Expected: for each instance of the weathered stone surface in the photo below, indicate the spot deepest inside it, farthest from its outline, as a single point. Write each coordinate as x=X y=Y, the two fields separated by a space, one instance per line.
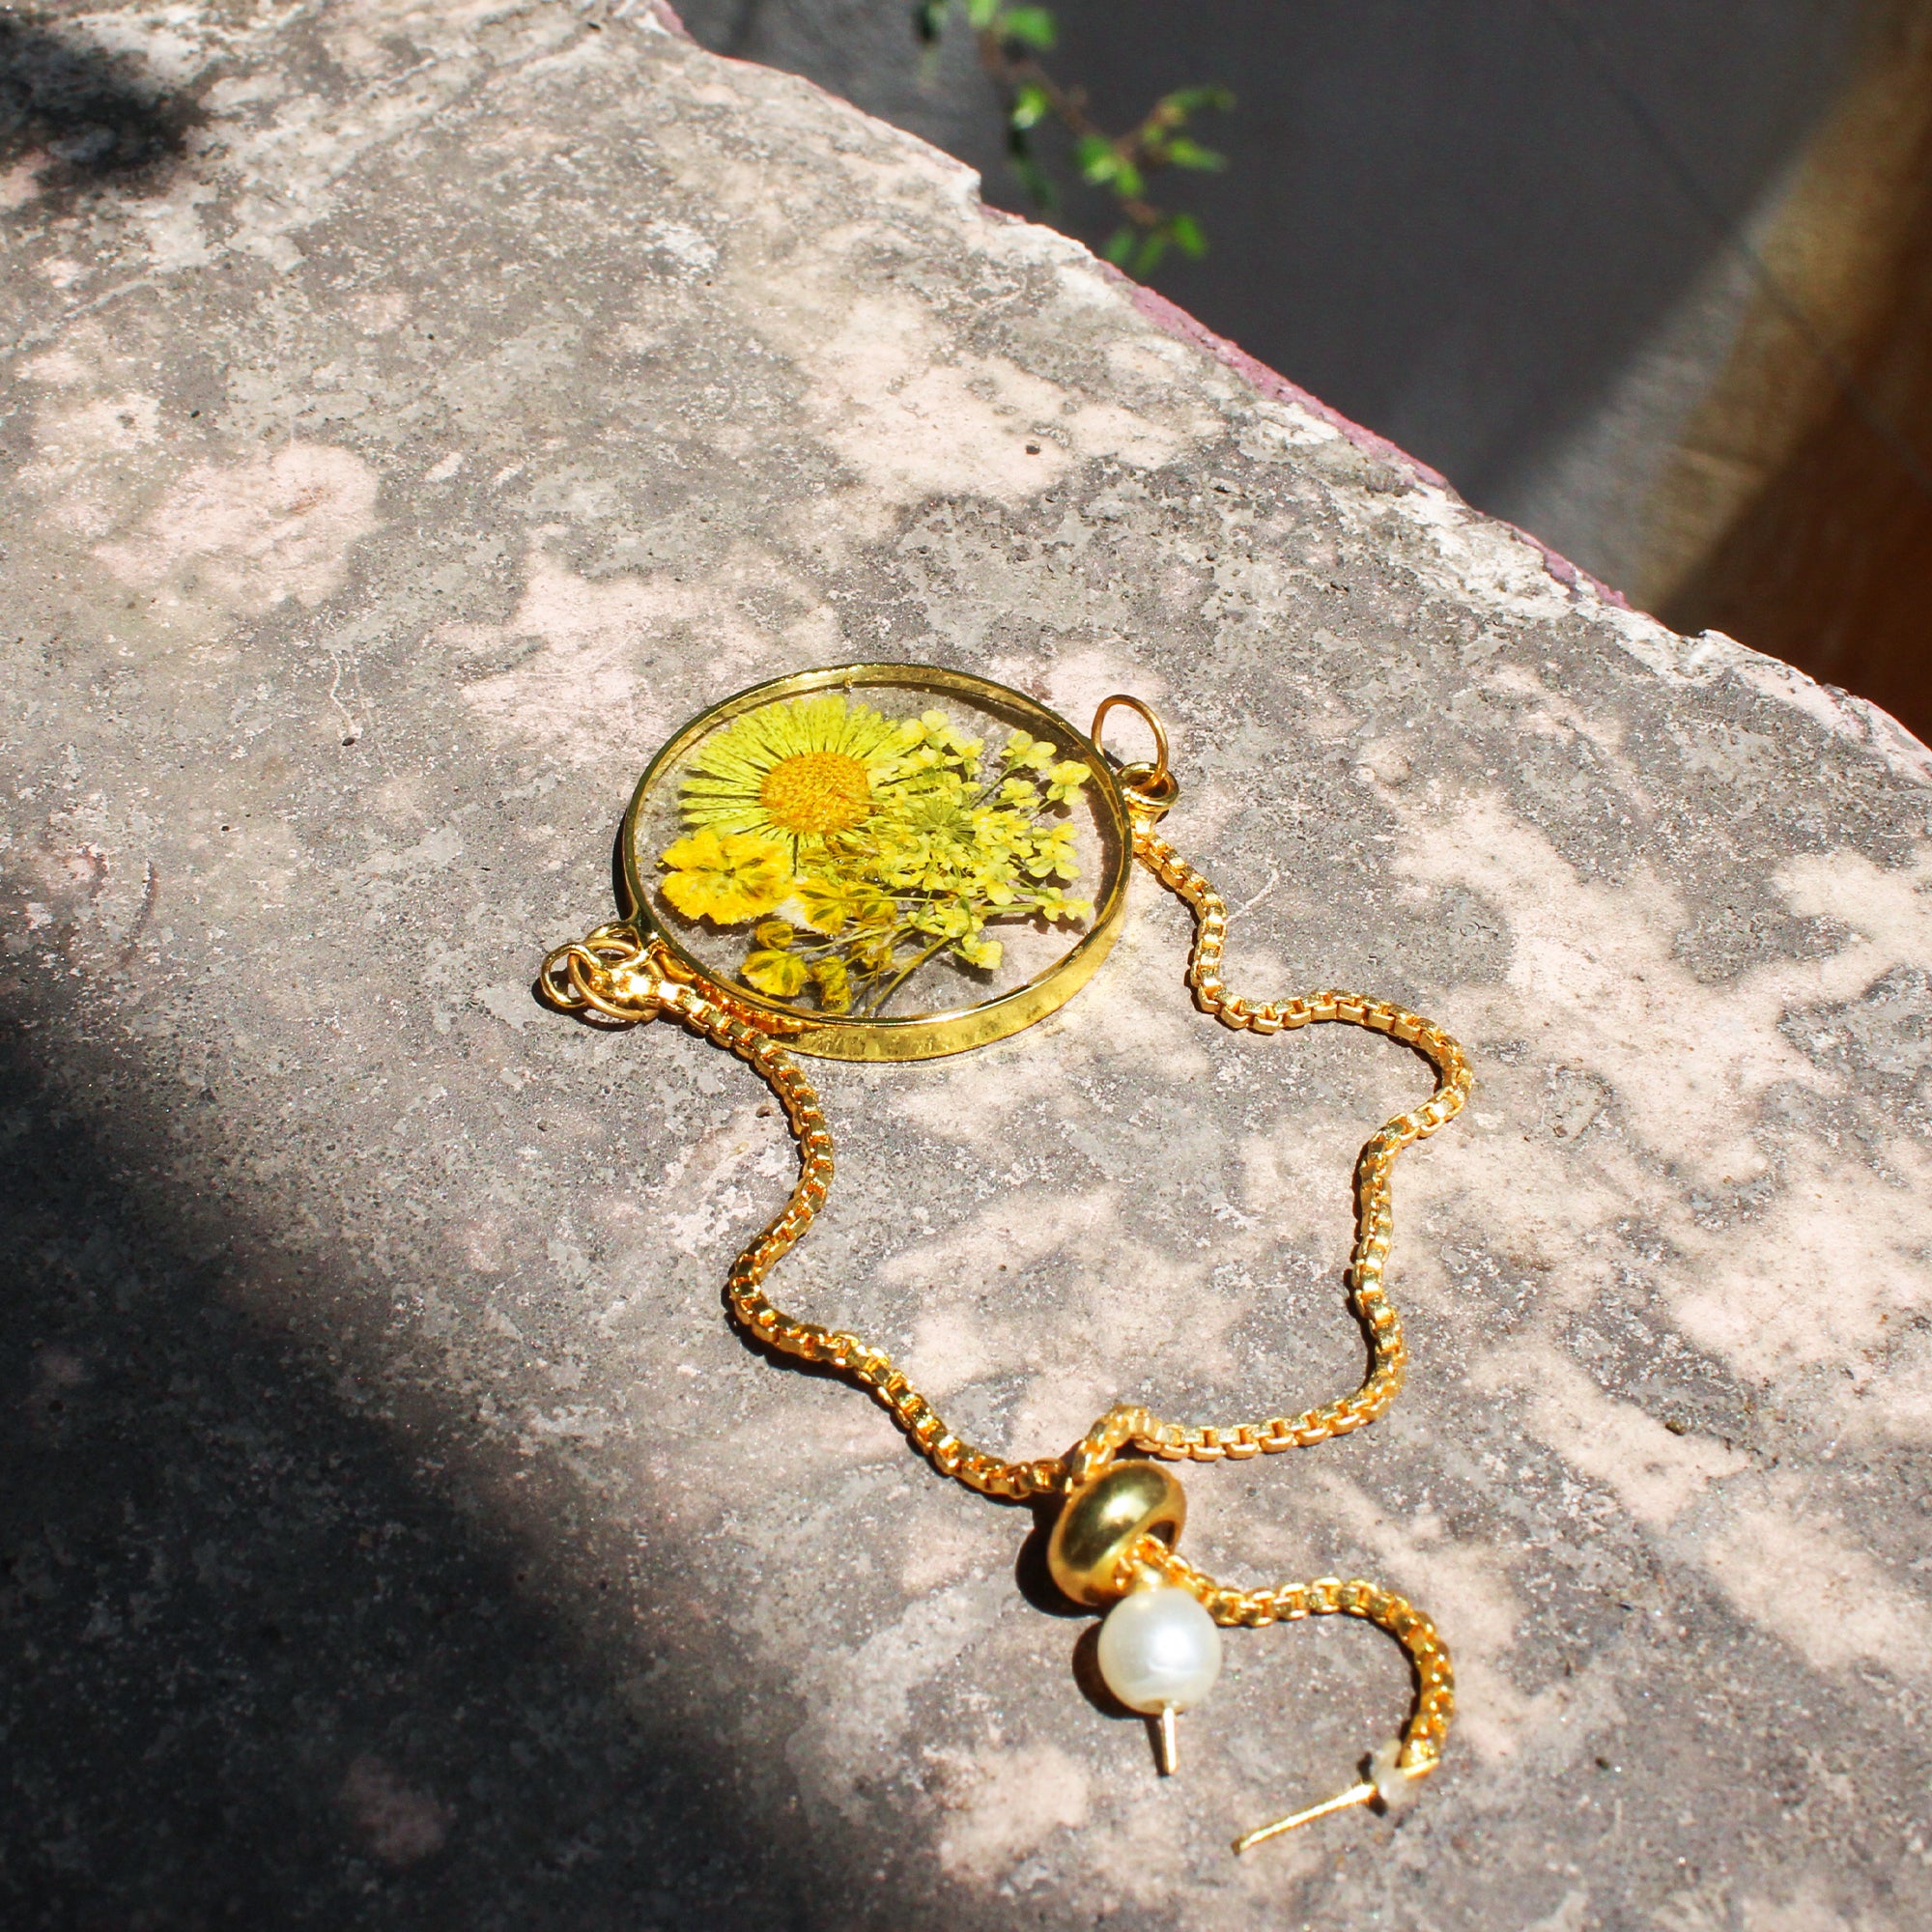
x=397 y=1535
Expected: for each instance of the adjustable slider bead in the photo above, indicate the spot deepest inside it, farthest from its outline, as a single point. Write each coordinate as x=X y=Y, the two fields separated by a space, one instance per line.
x=1104 y=1521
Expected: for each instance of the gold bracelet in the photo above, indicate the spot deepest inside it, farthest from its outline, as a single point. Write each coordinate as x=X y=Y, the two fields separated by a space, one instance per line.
x=864 y=856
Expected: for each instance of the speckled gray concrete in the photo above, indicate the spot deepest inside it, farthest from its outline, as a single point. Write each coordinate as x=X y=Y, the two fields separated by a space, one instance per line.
x=398 y=1536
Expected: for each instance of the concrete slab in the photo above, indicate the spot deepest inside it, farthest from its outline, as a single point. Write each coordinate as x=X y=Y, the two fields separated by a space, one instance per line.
x=396 y=1533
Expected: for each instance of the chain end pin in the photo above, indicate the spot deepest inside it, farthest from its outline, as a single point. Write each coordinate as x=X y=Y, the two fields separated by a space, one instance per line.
x=1356 y=1794
x=1167 y=1740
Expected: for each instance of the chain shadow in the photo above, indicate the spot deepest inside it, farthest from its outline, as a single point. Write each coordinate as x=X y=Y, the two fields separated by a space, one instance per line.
x=260 y=1669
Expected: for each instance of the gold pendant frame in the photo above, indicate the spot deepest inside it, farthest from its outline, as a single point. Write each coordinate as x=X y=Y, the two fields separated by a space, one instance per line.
x=927 y=1036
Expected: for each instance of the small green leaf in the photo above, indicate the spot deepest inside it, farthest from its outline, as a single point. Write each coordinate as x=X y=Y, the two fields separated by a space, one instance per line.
x=1120 y=245
x=1185 y=233
x=982 y=14
x=1147 y=256
x=1102 y=163
x=1030 y=26
x=834 y=985
x=1185 y=101
x=779 y=974
x=1186 y=154
x=1097 y=159
x=1032 y=104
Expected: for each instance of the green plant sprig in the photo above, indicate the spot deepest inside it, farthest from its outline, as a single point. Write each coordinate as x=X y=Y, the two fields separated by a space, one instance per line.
x=1010 y=41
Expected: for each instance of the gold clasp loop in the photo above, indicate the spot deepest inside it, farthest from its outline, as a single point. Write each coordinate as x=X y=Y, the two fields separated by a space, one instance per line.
x=1150 y=788
x=580 y=977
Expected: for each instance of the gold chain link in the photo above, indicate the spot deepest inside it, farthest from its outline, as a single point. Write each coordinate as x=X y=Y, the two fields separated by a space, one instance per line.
x=617 y=976
x=1428 y=1727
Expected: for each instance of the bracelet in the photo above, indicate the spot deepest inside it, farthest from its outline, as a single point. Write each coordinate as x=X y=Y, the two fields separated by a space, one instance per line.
x=865 y=853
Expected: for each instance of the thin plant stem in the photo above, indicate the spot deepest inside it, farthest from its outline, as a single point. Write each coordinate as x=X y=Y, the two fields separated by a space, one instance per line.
x=877 y=1006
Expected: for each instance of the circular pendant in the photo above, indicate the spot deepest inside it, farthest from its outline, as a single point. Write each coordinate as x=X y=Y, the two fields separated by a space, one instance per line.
x=890 y=860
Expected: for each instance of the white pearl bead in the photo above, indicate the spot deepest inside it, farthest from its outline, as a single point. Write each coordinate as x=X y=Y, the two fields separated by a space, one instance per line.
x=1160 y=1647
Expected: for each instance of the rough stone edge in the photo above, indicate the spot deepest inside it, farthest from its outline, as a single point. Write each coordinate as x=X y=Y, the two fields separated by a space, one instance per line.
x=1653 y=643
x=1696 y=659
x=1842 y=713
x=1173 y=320
x=1702 y=660
x=657 y=13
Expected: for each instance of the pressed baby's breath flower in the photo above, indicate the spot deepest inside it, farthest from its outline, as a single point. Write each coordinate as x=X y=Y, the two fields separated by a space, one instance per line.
x=899 y=842
x=1027 y=754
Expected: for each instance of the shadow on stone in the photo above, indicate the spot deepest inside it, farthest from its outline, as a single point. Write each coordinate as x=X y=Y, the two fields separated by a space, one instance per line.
x=1092 y=1686
x=268 y=1660
x=1030 y=1573
x=89 y=117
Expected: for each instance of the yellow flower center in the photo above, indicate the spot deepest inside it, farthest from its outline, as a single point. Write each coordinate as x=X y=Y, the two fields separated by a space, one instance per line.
x=815 y=792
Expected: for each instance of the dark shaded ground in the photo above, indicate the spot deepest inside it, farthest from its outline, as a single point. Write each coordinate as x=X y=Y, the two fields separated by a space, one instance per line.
x=266 y=1665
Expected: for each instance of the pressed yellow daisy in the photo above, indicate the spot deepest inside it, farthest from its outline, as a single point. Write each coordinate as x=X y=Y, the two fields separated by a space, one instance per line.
x=793 y=771
x=725 y=880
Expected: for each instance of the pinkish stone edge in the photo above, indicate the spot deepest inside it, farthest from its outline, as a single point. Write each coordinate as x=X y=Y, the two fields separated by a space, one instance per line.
x=1171 y=319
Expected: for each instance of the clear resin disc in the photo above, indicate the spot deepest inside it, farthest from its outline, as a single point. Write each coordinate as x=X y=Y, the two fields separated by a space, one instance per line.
x=893 y=860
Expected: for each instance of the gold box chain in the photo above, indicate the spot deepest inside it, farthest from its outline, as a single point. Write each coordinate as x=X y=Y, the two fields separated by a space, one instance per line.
x=618 y=977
